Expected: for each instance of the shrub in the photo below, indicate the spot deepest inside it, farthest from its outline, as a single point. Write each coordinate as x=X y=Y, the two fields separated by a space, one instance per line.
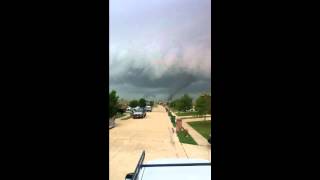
x=113 y=103
x=173 y=120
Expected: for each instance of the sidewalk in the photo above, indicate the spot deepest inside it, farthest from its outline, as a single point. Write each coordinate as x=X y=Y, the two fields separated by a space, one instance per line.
x=200 y=151
x=200 y=140
x=208 y=116
x=195 y=135
x=197 y=152
x=196 y=119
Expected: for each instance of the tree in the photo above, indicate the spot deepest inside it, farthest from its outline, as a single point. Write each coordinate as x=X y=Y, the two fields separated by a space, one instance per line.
x=133 y=103
x=151 y=103
x=173 y=104
x=184 y=103
x=142 y=102
x=203 y=105
x=113 y=103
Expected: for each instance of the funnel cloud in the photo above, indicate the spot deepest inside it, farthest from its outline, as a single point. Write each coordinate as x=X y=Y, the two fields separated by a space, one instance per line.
x=160 y=48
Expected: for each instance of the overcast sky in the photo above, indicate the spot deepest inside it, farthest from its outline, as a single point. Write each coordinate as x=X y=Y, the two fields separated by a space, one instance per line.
x=160 y=47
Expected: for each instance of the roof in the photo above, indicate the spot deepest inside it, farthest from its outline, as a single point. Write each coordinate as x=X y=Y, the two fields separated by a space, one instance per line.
x=175 y=172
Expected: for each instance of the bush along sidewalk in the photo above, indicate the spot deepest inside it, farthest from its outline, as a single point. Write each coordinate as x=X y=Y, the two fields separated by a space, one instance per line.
x=172 y=118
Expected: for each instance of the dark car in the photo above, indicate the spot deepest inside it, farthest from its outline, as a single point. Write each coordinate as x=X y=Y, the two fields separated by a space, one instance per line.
x=139 y=113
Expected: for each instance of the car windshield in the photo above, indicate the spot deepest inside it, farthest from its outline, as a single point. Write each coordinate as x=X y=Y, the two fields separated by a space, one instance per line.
x=139 y=110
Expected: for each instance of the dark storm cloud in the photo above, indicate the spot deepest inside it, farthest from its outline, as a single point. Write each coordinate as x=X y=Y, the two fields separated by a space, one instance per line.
x=142 y=77
x=160 y=47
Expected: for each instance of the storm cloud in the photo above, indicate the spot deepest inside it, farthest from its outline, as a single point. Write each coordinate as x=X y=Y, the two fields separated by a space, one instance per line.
x=160 y=48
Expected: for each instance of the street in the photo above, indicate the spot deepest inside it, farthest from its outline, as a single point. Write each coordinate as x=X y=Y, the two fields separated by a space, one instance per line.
x=153 y=134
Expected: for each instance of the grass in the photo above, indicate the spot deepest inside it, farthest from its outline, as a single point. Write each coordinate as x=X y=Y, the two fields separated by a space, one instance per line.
x=126 y=118
x=184 y=137
x=119 y=115
x=187 y=114
x=203 y=127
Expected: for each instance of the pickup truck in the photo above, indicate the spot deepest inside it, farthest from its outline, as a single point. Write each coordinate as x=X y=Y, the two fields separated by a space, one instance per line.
x=171 y=169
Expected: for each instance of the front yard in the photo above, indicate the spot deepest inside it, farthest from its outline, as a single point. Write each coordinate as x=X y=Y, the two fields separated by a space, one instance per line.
x=187 y=114
x=203 y=127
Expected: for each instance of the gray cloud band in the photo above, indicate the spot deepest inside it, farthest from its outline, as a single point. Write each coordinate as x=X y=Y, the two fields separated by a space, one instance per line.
x=164 y=52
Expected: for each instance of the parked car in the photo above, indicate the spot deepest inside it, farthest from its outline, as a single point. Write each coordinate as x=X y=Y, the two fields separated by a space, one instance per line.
x=190 y=110
x=171 y=169
x=139 y=113
x=129 y=109
x=148 y=108
x=136 y=108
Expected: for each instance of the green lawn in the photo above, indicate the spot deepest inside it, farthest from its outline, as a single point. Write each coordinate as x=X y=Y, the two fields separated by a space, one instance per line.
x=187 y=113
x=126 y=118
x=119 y=115
x=185 y=138
x=203 y=127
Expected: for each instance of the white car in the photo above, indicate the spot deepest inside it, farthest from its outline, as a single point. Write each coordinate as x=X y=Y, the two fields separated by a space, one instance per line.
x=148 y=108
x=136 y=108
x=171 y=169
x=129 y=109
x=191 y=110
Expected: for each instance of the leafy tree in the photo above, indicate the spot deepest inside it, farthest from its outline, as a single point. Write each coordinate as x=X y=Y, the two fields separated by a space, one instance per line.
x=142 y=102
x=173 y=104
x=151 y=103
x=184 y=103
x=133 y=103
x=113 y=103
x=203 y=104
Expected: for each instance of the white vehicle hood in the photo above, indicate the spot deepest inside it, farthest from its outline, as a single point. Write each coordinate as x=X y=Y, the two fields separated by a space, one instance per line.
x=176 y=173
